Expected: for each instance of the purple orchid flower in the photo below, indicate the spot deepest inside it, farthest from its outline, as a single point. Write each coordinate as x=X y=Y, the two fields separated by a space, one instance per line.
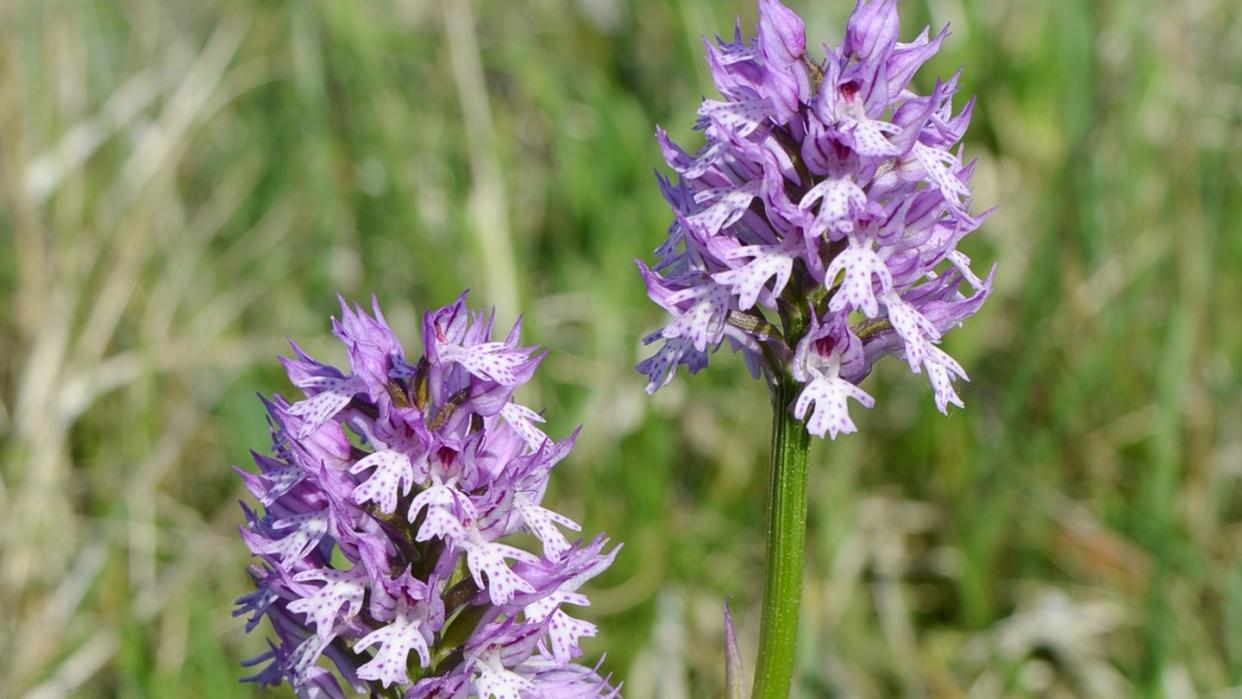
x=386 y=502
x=829 y=188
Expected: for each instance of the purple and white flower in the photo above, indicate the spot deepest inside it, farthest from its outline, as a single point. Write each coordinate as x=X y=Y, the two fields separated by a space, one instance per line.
x=828 y=191
x=386 y=502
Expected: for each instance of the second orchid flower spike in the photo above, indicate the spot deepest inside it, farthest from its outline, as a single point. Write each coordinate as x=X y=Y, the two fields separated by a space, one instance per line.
x=828 y=199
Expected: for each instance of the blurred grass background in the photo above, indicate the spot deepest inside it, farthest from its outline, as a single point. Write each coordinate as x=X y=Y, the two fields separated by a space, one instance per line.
x=185 y=184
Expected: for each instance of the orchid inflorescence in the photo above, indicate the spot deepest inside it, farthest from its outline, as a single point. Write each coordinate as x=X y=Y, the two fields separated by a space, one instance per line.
x=827 y=198
x=385 y=501
x=816 y=231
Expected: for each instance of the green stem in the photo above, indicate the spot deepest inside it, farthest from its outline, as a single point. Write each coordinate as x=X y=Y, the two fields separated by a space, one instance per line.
x=782 y=578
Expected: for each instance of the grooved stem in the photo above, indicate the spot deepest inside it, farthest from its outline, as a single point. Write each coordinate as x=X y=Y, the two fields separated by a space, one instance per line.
x=782 y=576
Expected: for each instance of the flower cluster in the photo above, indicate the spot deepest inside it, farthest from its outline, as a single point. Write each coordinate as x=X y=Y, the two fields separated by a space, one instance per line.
x=828 y=193
x=385 y=502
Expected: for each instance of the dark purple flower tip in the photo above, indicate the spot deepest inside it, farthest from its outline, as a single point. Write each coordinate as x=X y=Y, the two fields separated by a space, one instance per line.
x=872 y=29
x=782 y=35
x=446 y=324
x=372 y=346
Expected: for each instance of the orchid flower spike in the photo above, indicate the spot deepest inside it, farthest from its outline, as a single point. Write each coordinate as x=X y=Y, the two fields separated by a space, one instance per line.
x=386 y=501
x=829 y=197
